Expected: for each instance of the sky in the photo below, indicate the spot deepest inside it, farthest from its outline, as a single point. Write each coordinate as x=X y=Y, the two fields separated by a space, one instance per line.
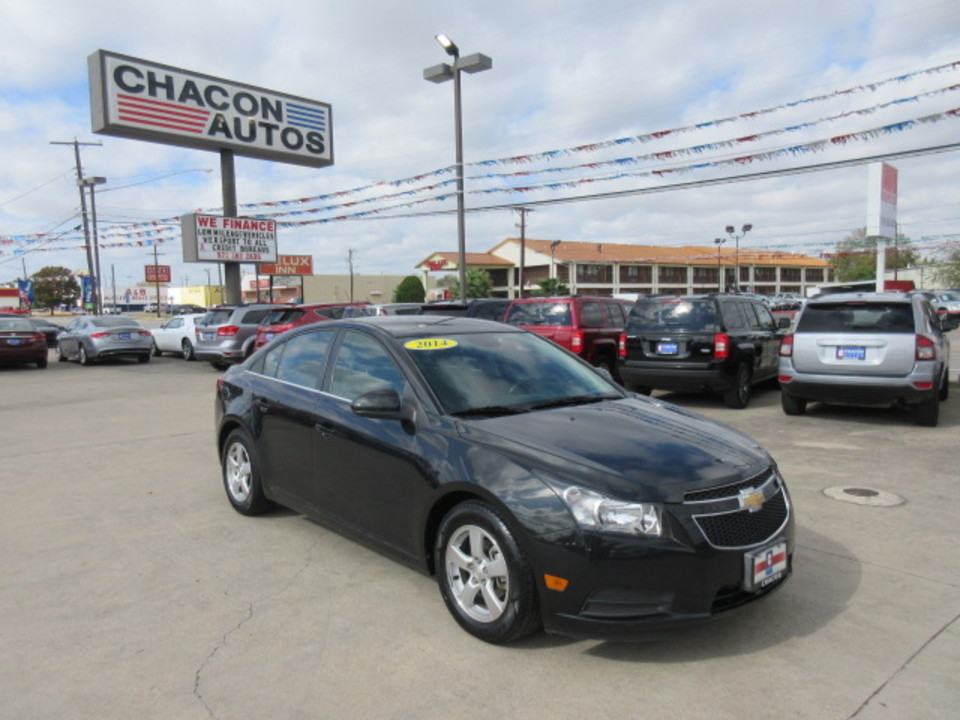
x=658 y=122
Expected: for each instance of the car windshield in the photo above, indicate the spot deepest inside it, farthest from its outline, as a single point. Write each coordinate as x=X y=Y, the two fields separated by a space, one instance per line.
x=539 y=313
x=857 y=317
x=672 y=314
x=113 y=321
x=493 y=373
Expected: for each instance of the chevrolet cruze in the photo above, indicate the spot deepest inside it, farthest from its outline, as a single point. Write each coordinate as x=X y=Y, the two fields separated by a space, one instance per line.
x=538 y=492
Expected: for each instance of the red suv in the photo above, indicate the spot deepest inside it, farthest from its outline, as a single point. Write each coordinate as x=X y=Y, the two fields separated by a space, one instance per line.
x=287 y=318
x=589 y=326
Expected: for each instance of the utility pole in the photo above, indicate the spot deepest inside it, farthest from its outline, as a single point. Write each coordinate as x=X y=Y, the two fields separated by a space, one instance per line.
x=350 y=265
x=83 y=207
x=523 y=245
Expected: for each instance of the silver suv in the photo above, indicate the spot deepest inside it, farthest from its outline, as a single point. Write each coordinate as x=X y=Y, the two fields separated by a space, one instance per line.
x=227 y=333
x=866 y=349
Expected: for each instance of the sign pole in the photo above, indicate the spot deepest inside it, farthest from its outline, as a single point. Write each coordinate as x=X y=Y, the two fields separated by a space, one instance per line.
x=228 y=181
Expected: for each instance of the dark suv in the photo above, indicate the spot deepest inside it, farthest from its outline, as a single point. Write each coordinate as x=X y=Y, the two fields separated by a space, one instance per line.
x=227 y=333
x=588 y=325
x=717 y=342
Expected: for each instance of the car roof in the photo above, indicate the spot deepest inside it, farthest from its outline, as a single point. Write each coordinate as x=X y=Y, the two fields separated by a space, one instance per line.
x=885 y=297
x=400 y=326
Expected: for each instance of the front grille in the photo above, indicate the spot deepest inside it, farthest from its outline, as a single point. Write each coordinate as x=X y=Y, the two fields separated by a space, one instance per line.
x=727 y=491
x=743 y=528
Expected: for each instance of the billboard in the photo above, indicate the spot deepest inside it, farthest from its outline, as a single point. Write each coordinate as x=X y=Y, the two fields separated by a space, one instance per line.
x=289 y=265
x=157 y=273
x=141 y=100
x=212 y=238
x=882 y=201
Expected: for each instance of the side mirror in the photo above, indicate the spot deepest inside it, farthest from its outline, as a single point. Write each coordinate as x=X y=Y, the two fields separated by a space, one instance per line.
x=383 y=404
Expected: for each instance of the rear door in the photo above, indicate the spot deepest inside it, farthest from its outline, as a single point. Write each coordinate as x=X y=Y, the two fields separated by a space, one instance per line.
x=875 y=338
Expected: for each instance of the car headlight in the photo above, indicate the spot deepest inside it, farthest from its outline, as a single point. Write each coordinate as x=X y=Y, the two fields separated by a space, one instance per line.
x=598 y=512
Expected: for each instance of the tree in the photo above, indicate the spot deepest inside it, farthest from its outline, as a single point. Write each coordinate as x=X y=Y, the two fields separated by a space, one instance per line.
x=410 y=289
x=856 y=256
x=479 y=284
x=552 y=286
x=947 y=272
x=54 y=286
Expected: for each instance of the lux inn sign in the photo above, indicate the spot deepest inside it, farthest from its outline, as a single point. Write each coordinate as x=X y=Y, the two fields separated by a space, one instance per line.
x=141 y=100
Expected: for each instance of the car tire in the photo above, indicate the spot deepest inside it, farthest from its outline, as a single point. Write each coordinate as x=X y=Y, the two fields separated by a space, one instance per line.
x=145 y=358
x=928 y=411
x=187 y=348
x=41 y=363
x=82 y=355
x=61 y=355
x=219 y=365
x=484 y=576
x=155 y=350
x=241 y=474
x=738 y=395
x=792 y=405
x=945 y=386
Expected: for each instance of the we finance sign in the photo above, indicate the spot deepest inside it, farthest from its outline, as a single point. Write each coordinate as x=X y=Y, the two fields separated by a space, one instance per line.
x=137 y=99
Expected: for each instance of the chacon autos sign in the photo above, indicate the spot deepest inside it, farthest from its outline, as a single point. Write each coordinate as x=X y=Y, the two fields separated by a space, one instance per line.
x=141 y=100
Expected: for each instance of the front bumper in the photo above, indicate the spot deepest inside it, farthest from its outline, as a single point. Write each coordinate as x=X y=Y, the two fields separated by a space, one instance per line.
x=628 y=588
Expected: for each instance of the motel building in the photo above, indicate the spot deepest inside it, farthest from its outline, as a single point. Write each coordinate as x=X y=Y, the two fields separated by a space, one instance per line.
x=612 y=269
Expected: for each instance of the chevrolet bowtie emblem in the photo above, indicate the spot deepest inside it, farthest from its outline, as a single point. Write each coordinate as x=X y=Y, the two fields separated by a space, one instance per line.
x=751 y=499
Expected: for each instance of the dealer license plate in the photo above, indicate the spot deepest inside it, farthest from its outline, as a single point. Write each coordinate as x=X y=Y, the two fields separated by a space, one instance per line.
x=765 y=567
x=667 y=348
x=13 y=341
x=208 y=336
x=124 y=336
x=269 y=336
x=851 y=353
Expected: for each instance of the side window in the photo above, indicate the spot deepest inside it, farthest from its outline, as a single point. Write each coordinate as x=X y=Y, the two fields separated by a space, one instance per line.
x=732 y=316
x=362 y=364
x=300 y=360
x=766 y=319
x=750 y=311
x=615 y=316
x=175 y=323
x=591 y=315
x=254 y=317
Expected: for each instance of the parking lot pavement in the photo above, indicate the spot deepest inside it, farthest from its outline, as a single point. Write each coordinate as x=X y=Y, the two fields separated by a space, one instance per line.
x=132 y=590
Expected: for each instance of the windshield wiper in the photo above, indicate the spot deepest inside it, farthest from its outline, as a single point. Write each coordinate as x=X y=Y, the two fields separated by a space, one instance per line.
x=490 y=410
x=573 y=400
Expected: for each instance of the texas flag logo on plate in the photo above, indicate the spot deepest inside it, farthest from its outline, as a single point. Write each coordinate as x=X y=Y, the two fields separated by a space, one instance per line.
x=769 y=565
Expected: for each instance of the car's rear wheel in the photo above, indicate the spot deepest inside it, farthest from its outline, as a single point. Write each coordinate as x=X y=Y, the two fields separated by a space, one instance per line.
x=792 y=405
x=484 y=576
x=945 y=386
x=738 y=396
x=928 y=411
x=187 y=348
x=145 y=358
x=241 y=474
x=42 y=362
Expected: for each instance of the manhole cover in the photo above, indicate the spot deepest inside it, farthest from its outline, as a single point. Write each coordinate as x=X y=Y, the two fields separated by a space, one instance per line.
x=864 y=496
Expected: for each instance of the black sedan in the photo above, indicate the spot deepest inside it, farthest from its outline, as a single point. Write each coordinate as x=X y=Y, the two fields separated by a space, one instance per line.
x=538 y=491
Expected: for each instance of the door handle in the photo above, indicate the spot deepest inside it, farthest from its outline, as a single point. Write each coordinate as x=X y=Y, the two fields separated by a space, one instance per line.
x=325 y=429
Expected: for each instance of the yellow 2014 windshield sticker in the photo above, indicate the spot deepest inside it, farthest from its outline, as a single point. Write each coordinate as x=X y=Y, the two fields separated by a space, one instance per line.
x=430 y=344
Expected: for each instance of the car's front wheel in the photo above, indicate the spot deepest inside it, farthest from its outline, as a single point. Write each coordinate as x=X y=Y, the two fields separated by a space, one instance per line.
x=61 y=355
x=83 y=356
x=156 y=350
x=485 y=578
x=241 y=474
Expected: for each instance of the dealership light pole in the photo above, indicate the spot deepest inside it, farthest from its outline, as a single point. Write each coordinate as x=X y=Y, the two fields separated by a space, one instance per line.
x=719 y=242
x=92 y=182
x=441 y=73
x=731 y=231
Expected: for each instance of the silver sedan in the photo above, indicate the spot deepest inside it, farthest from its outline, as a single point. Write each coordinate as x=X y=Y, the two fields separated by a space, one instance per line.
x=97 y=337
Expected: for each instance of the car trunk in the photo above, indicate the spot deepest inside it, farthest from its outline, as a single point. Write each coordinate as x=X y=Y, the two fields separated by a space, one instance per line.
x=671 y=330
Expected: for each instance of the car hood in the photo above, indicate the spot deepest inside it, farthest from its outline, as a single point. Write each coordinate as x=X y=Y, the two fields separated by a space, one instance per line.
x=635 y=449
